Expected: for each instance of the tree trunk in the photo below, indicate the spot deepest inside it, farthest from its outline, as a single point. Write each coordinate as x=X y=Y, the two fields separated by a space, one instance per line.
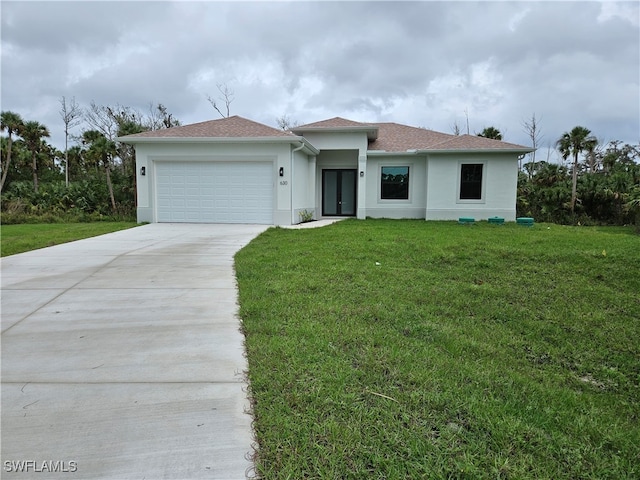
x=35 y=172
x=110 y=187
x=574 y=182
x=5 y=169
x=66 y=157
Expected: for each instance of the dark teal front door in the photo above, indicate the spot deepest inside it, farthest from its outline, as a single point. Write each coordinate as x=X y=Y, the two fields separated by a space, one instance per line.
x=339 y=192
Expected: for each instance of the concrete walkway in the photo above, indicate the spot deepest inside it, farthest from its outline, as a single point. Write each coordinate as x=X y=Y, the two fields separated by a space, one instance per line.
x=122 y=357
x=315 y=224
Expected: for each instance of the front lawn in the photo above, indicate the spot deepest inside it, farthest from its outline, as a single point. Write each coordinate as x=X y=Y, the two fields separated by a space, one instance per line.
x=25 y=237
x=412 y=349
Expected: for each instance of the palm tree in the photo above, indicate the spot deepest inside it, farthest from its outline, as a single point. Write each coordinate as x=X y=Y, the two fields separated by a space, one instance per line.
x=573 y=143
x=33 y=132
x=491 y=132
x=11 y=122
x=75 y=162
x=102 y=150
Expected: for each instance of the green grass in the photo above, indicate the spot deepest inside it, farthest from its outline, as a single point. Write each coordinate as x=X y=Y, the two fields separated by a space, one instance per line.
x=469 y=352
x=26 y=237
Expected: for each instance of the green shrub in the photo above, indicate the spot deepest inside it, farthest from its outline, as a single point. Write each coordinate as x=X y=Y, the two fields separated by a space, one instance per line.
x=83 y=200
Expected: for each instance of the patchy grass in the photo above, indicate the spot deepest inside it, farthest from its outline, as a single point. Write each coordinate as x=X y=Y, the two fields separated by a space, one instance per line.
x=26 y=237
x=412 y=349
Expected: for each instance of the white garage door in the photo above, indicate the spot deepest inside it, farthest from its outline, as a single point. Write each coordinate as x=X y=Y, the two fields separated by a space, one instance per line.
x=215 y=192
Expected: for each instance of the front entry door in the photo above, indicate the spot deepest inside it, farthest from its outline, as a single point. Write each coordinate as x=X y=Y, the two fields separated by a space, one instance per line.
x=339 y=192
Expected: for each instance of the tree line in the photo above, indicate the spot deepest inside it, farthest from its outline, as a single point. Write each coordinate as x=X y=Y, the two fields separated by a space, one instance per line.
x=90 y=180
x=595 y=183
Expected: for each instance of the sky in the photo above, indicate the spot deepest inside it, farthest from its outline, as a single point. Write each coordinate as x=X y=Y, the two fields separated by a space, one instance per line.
x=423 y=63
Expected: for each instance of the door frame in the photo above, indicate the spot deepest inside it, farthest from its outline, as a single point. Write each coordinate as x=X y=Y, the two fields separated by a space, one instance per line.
x=339 y=191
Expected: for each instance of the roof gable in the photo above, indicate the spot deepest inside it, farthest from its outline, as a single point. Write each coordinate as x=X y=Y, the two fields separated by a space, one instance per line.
x=338 y=125
x=231 y=127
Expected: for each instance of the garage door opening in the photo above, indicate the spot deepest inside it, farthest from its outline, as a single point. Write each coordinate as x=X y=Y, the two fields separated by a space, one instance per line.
x=214 y=192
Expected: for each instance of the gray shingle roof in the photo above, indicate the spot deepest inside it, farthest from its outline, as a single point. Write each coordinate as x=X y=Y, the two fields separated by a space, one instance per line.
x=389 y=137
x=394 y=137
x=335 y=122
x=231 y=127
x=474 y=142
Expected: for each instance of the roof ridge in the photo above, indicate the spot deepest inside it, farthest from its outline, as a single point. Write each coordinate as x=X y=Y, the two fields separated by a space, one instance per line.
x=334 y=122
x=404 y=125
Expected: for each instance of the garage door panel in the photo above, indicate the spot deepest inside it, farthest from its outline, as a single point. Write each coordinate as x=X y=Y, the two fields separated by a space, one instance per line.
x=214 y=192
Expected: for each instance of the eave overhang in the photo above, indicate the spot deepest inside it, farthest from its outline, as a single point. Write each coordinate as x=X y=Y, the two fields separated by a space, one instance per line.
x=382 y=153
x=521 y=151
x=372 y=132
x=308 y=147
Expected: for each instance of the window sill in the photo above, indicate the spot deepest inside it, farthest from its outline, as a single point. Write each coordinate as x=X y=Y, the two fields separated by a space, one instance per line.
x=394 y=201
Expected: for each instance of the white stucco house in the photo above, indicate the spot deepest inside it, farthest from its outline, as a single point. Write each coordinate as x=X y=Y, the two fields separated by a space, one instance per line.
x=234 y=170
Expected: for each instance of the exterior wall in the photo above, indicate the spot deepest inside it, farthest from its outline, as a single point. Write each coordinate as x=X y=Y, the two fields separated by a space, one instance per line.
x=338 y=141
x=303 y=186
x=414 y=206
x=500 y=181
x=279 y=155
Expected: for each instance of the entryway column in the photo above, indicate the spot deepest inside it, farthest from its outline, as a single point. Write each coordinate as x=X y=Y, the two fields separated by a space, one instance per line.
x=311 y=188
x=362 y=186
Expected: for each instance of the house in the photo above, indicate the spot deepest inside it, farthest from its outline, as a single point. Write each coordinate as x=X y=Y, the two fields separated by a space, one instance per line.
x=234 y=170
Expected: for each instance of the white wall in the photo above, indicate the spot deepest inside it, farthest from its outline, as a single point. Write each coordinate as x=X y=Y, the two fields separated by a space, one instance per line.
x=338 y=141
x=303 y=186
x=500 y=180
x=414 y=206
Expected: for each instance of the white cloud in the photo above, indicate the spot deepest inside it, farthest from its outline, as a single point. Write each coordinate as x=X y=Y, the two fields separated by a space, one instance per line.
x=515 y=20
x=627 y=11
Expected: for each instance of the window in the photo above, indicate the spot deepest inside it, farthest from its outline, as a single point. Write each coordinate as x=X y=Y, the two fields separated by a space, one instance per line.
x=395 y=183
x=471 y=181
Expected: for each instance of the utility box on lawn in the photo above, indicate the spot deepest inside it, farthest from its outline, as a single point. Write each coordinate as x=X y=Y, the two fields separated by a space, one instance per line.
x=525 y=221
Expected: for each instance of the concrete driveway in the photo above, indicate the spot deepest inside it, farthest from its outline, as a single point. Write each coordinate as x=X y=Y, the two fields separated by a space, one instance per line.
x=122 y=357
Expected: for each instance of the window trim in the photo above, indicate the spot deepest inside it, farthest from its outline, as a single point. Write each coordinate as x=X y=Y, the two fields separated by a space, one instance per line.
x=409 y=166
x=483 y=190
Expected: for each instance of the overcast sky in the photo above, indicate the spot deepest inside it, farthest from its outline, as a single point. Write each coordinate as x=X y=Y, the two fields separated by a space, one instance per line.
x=426 y=64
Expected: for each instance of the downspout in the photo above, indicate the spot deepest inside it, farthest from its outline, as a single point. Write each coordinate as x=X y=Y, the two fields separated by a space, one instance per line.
x=291 y=180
